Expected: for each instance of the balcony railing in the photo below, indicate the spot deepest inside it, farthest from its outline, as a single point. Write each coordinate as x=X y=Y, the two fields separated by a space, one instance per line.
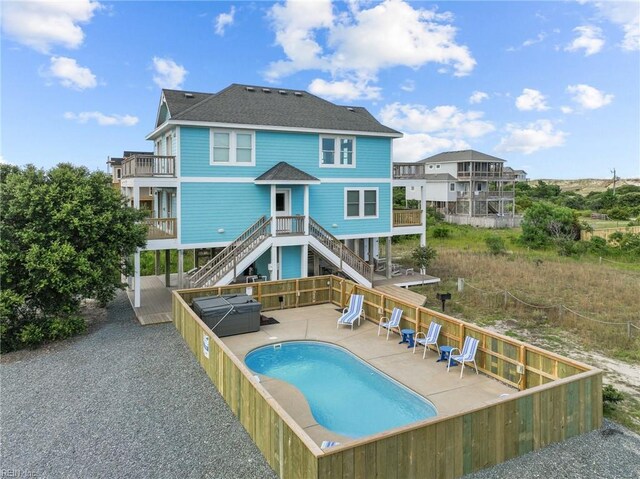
x=407 y=217
x=289 y=225
x=408 y=170
x=143 y=165
x=481 y=175
x=485 y=195
x=161 y=228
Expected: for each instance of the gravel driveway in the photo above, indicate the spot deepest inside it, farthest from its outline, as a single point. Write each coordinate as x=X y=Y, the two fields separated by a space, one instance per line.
x=130 y=401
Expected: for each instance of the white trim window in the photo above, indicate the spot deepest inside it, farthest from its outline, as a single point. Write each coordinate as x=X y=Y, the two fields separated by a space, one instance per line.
x=452 y=187
x=337 y=151
x=360 y=203
x=232 y=147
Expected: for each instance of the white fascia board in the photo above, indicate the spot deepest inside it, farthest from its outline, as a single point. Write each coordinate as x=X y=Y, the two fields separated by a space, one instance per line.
x=245 y=179
x=293 y=240
x=154 y=245
x=407 y=230
x=210 y=124
x=286 y=182
x=143 y=182
x=211 y=244
x=363 y=235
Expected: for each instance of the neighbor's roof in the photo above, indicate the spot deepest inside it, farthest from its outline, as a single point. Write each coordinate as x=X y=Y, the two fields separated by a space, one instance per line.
x=462 y=155
x=141 y=153
x=256 y=105
x=284 y=172
x=438 y=177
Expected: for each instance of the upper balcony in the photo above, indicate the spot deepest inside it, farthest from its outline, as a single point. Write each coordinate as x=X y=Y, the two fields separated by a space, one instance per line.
x=408 y=171
x=407 y=217
x=137 y=166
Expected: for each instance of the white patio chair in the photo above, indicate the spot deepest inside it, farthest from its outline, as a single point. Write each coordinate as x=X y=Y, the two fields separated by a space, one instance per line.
x=393 y=323
x=431 y=337
x=468 y=354
x=352 y=312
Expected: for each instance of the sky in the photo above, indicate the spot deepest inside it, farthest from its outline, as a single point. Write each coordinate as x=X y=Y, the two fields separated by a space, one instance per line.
x=553 y=87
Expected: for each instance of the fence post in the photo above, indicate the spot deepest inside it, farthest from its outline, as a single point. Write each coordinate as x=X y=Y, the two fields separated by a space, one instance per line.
x=342 y=293
x=522 y=384
x=460 y=285
x=461 y=333
x=505 y=299
x=629 y=329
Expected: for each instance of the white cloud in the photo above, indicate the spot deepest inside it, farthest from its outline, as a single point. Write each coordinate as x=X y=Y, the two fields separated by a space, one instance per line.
x=627 y=16
x=42 y=24
x=478 y=97
x=362 y=41
x=168 y=74
x=414 y=147
x=70 y=74
x=589 y=38
x=535 y=136
x=446 y=120
x=102 y=119
x=344 y=90
x=588 y=97
x=532 y=41
x=531 y=100
x=566 y=109
x=224 y=20
x=408 y=85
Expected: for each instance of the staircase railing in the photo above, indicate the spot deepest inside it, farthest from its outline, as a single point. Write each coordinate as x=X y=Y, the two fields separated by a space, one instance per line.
x=346 y=255
x=233 y=254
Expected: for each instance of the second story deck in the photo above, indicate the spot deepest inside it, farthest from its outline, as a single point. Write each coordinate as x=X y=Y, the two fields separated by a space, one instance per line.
x=137 y=166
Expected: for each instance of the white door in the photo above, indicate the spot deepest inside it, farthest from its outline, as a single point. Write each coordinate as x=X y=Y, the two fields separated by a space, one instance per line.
x=283 y=209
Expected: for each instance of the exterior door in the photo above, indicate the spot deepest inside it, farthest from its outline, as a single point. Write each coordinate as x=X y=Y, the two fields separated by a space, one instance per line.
x=283 y=210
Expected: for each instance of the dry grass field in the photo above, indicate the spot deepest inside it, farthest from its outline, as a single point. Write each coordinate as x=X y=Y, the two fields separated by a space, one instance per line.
x=581 y=309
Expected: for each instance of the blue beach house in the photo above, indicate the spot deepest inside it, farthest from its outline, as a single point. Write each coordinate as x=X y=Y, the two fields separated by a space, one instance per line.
x=271 y=183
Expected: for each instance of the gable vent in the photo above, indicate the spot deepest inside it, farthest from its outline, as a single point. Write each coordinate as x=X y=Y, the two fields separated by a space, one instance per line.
x=188 y=95
x=282 y=92
x=250 y=88
x=266 y=90
x=297 y=93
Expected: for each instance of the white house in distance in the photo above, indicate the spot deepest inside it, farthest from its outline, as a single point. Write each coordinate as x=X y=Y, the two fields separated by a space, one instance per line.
x=467 y=186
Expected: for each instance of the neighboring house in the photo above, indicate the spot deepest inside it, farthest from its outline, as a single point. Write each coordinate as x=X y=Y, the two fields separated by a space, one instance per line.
x=467 y=182
x=278 y=182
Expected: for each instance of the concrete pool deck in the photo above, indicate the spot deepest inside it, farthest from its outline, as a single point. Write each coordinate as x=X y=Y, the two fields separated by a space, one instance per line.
x=448 y=393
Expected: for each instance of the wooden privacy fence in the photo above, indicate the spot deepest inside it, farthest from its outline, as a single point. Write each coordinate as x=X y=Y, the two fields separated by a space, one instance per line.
x=558 y=398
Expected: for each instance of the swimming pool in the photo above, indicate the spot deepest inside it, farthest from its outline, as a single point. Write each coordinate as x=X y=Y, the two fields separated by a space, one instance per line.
x=345 y=394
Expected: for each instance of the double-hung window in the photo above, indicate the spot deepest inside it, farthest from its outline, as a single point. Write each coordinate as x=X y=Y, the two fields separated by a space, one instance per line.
x=230 y=147
x=337 y=151
x=360 y=203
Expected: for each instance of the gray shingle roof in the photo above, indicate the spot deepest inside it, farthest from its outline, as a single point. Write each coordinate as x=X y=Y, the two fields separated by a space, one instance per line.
x=439 y=177
x=283 y=172
x=255 y=105
x=462 y=155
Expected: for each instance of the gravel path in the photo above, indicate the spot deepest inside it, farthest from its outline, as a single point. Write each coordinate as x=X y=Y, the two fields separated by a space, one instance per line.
x=131 y=401
x=122 y=401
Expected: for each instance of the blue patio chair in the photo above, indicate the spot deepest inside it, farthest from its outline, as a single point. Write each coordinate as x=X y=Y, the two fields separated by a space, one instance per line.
x=430 y=338
x=352 y=312
x=468 y=354
x=393 y=323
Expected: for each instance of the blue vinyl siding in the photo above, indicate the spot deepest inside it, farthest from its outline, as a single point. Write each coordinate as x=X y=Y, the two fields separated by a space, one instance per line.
x=206 y=207
x=297 y=200
x=302 y=150
x=327 y=208
x=291 y=263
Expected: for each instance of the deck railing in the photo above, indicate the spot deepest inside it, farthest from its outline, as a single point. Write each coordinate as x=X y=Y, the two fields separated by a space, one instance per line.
x=558 y=398
x=161 y=228
x=408 y=170
x=485 y=195
x=148 y=165
x=481 y=175
x=407 y=217
x=289 y=225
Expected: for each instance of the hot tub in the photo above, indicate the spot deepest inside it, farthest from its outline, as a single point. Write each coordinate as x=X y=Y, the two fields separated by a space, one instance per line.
x=242 y=313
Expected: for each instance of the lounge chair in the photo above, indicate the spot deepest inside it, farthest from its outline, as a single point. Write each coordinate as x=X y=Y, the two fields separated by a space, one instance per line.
x=393 y=323
x=468 y=354
x=430 y=338
x=352 y=312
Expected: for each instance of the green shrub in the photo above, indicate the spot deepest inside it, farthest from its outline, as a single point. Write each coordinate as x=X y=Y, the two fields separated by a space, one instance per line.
x=611 y=397
x=495 y=244
x=65 y=327
x=441 y=232
x=31 y=335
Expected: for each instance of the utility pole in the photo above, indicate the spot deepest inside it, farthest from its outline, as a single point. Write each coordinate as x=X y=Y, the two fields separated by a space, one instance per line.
x=614 y=180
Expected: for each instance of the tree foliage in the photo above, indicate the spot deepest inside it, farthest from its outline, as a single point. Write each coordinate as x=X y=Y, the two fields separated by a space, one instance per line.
x=64 y=234
x=545 y=223
x=424 y=256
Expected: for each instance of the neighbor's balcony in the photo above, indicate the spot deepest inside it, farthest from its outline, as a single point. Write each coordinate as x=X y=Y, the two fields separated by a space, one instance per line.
x=485 y=195
x=410 y=171
x=407 y=217
x=161 y=228
x=482 y=175
x=145 y=166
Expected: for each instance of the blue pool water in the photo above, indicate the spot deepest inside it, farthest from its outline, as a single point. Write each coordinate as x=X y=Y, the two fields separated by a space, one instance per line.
x=346 y=395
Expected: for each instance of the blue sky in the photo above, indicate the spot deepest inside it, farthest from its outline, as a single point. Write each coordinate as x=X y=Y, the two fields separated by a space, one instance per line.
x=552 y=87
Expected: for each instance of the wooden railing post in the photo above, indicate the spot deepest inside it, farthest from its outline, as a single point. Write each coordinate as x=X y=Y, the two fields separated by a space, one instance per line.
x=522 y=384
x=461 y=333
